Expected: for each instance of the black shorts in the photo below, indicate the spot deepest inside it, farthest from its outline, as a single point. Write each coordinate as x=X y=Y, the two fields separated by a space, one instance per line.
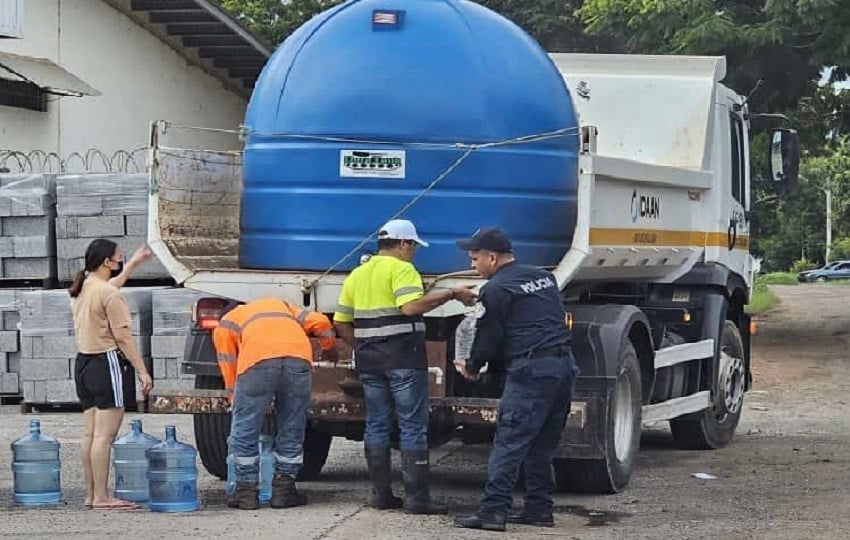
x=106 y=381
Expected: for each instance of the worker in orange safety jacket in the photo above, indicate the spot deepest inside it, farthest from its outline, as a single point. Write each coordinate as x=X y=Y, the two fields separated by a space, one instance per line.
x=264 y=351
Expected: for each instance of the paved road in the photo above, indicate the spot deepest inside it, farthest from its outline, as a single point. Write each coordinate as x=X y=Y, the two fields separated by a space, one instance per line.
x=783 y=477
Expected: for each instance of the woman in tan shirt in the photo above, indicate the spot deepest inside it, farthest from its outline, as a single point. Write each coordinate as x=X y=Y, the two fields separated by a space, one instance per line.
x=106 y=357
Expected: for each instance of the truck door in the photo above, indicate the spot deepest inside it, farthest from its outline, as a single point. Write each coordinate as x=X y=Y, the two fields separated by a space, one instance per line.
x=736 y=223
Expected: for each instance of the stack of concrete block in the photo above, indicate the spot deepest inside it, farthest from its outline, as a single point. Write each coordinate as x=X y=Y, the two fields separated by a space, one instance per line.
x=172 y=318
x=113 y=206
x=48 y=346
x=10 y=356
x=27 y=237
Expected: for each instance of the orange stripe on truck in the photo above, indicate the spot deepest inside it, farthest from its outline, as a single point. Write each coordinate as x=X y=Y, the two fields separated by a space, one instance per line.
x=664 y=238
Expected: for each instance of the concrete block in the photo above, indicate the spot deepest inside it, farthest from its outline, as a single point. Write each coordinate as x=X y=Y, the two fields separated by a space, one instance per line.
x=159 y=368
x=45 y=369
x=11 y=320
x=5 y=206
x=60 y=392
x=34 y=391
x=58 y=347
x=30 y=346
x=31 y=204
x=8 y=341
x=13 y=361
x=167 y=346
x=30 y=268
x=32 y=246
x=79 y=206
x=100 y=226
x=66 y=227
x=27 y=226
x=7 y=250
x=136 y=225
x=4 y=362
x=10 y=383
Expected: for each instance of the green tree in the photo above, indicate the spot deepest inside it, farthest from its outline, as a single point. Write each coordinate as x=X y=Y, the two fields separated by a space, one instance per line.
x=276 y=19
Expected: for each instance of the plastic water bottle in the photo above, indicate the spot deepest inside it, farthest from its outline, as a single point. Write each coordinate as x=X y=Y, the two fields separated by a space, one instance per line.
x=266 y=470
x=36 y=468
x=172 y=475
x=464 y=336
x=131 y=463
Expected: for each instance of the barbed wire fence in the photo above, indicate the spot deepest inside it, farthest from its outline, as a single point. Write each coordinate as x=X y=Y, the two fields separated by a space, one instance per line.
x=92 y=160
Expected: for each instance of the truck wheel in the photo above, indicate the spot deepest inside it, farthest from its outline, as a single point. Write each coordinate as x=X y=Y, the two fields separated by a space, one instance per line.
x=211 y=431
x=612 y=473
x=317 y=445
x=715 y=427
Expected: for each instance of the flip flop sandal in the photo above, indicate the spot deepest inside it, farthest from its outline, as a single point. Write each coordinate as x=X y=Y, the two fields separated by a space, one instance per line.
x=118 y=505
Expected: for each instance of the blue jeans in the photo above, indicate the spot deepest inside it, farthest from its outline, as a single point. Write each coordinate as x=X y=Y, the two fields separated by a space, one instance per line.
x=404 y=391
x=288 y=381
x=532 y=413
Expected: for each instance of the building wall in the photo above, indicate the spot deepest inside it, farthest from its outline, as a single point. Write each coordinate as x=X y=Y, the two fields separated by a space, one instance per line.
x=140 y=78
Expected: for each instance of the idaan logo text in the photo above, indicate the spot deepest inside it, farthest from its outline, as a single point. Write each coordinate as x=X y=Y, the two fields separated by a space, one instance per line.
x=645 y=206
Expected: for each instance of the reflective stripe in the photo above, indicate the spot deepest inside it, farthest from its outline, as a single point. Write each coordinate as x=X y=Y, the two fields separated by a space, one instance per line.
x=246 y=460
x=302 y=316
x=226 y=357
x=267 y=315
x=407 y=290
x=376 y=313
x=297 y=460
x=345 y=310
x=230 y=325
x=391 y=330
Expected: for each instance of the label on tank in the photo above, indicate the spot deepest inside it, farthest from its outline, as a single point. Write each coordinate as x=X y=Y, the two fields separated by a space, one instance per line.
x=372 y=163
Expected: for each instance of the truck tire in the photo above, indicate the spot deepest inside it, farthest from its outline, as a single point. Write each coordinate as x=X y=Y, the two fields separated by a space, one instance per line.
x=612 y=473
x=211 y=431
x=715 y=427
x=317 y=445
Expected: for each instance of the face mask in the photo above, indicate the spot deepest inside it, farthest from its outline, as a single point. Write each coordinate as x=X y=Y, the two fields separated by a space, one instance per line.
x=117 y=271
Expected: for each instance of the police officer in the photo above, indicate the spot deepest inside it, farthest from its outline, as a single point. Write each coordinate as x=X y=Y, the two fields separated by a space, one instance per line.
x=521 y=324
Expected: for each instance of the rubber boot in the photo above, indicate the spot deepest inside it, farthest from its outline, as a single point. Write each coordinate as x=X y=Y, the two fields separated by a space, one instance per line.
x=417 y=495
x=482 y=520
x=245 y=497
x=284 y=493
x=522 y=518
x=378 y=462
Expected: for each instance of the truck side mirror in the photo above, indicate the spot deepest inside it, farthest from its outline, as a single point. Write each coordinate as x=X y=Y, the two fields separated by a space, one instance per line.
x=784 y=160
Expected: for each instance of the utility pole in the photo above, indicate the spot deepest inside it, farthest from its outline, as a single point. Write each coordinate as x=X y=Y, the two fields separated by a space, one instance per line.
x=828 y=192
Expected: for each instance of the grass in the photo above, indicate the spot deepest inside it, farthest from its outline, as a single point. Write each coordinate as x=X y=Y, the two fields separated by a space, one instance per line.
x=763 y=299
x=777 y=278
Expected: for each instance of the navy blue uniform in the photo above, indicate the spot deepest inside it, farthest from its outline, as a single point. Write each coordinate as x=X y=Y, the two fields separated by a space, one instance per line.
x=521 y=324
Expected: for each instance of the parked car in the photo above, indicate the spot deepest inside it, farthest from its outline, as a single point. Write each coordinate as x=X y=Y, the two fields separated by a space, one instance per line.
x=832 y=271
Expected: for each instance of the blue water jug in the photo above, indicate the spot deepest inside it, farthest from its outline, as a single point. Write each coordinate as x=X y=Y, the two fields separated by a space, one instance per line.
x=131 y=463
x=172 y=475
x=36 y=468
x=266 y=470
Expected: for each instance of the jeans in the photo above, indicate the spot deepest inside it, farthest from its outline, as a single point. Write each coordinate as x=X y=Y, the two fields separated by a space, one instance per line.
x=288 y=381
x=533 y=411
x=404 y=391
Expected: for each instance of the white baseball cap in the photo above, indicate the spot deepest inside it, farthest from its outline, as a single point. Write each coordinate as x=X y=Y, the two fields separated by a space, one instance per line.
x=400 y=229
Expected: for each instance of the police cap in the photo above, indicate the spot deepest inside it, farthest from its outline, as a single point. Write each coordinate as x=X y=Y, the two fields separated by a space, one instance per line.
x=490 y=239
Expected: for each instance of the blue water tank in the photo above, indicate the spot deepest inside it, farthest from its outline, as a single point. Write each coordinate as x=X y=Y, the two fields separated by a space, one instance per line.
x=172 y=475
x=131 y=463
x=36 y=468
x=363 y=107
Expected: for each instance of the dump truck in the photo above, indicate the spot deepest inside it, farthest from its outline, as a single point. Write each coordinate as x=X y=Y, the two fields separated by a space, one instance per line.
x=655 y=280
